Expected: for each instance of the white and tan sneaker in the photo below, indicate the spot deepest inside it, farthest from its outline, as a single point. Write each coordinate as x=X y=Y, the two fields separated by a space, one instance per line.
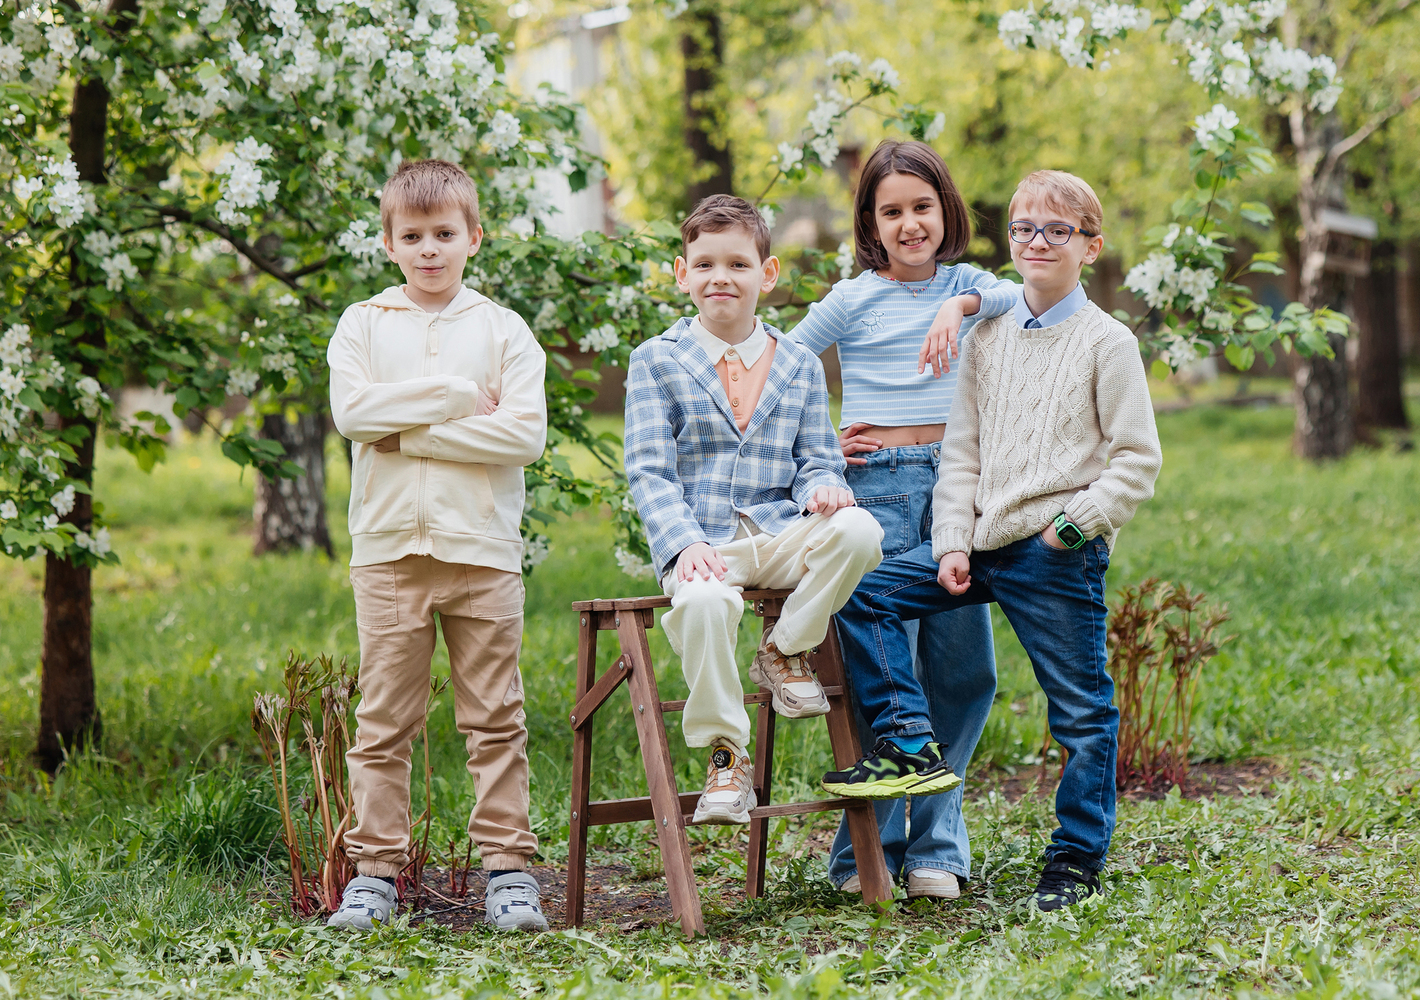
x=729 y=786
x=932 y=883
x=853 y=885
x=794 y=690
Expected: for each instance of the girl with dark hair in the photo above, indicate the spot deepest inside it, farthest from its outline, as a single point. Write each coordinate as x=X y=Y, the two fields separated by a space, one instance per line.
x=906 y=307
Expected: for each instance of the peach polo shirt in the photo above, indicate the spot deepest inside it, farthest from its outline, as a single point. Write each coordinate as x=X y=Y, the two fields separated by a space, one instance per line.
x=743 y=368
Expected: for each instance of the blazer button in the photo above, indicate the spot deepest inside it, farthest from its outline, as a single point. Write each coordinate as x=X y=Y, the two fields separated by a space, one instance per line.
x=735 y=401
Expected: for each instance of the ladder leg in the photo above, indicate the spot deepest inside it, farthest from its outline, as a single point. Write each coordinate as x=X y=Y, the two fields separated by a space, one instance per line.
x=843 y=736
x=763 y=779
x=581 y=777
x=660 y=776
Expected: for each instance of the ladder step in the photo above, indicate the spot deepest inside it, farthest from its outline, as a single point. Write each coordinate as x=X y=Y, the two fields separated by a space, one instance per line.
x=610 y=811
x=758 y=698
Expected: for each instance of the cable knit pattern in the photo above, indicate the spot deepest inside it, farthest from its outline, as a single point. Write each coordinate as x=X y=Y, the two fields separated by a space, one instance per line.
x=1043 y=421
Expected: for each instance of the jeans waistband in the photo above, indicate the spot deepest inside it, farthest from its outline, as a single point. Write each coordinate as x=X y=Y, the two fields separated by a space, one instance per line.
x=915 y=454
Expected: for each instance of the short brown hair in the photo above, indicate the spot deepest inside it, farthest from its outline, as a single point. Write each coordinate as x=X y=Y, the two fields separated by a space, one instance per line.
x=425 y=186
x=895 y=156
x=721 y=212
x=1064 y=193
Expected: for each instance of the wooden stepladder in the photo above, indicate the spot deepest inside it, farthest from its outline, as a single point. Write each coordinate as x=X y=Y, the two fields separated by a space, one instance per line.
x=668 y=807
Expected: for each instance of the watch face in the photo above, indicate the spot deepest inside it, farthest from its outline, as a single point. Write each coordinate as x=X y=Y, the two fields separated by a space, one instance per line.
x=1070 y=536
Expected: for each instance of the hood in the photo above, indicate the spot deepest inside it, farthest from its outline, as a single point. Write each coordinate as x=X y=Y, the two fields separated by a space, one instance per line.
x=394 y=297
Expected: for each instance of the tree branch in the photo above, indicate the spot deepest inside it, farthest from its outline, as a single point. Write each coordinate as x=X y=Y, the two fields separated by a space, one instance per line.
x=257 y=258
x=1336 y=152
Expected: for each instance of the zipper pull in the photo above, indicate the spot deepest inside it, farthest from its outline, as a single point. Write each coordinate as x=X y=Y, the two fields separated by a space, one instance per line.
x=434 y=335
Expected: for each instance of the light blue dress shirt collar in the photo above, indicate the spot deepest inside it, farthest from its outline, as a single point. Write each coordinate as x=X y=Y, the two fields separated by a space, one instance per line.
x=1058 y=313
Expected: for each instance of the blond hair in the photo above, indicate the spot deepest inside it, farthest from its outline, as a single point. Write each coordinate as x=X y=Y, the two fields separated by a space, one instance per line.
x=1064 y=193
x=425 y=186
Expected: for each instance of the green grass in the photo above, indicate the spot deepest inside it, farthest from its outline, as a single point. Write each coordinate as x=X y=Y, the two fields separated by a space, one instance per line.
x=1308 y=891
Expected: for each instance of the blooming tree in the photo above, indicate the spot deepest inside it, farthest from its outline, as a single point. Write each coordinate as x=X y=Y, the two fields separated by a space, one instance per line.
x=1249 y=50
x=189 y=194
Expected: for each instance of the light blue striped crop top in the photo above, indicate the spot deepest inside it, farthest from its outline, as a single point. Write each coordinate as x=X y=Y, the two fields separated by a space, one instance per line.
x=879 y=327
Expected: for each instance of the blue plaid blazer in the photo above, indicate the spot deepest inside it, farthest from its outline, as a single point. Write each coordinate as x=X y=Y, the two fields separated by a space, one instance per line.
x=692 y=473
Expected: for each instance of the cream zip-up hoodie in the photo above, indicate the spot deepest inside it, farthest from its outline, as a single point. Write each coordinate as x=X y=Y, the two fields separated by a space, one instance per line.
x=454 y=490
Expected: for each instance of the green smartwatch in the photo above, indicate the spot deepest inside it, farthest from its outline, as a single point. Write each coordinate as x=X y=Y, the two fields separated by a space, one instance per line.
x=1067 y=533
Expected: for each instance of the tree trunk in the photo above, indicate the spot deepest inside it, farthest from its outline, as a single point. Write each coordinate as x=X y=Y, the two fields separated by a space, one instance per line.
x=290 y=513
x=68 y=711
x=1380 y=396
x=1407 y=298
x=703 y=50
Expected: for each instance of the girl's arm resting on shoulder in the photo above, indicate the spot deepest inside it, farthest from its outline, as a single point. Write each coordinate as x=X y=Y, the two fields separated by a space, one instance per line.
x=513 y=434
x=826 y=323
x=1126 y=417
x=998 y=295
x=954 y=496
x=366 y=410
x=651 y=469
x=817 y=452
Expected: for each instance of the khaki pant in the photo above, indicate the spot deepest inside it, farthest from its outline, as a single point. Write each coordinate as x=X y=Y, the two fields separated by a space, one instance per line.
x=481 y=614
x=821 y=558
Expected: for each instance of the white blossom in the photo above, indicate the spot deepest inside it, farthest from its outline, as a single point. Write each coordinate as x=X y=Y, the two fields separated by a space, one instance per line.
x=1014 y=28
x=91 y=396
x=242 y=381
x=844 y=260
x=535 y=551
x=633 y=565
x=843 y=59
x=118 y=268
x=99 y=543
x=766 y=212
x=50 y=522
x=25 y=187
x=12 y=60
x=1153 y=279
x=12 y=382
x=62 y=41
x=935 y=127
x=8 y=510
x=601 y=338
x=1207 y=126
x=880 y=71
x=358 y=241
x=63 y=501
x=67 y=199
x=826 y=148
x=243 y=185
x=101 y=244
x=504 y=131
x=826 y=109
x=14 y=349
x=789 y=156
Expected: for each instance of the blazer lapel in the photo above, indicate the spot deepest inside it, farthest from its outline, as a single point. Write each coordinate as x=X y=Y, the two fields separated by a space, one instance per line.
x=781 y=372
x=697 y=364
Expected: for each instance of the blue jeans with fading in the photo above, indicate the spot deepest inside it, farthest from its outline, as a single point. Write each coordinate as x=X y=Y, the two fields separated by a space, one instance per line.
x=1054 y=599
x=955 y=662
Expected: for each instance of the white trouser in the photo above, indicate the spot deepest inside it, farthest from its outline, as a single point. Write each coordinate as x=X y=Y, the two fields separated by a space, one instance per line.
x=821 y=558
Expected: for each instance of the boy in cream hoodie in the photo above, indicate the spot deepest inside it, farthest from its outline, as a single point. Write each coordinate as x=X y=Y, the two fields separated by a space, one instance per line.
x=441 y=390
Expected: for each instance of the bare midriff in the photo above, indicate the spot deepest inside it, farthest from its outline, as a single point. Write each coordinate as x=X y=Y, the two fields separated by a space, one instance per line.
x=906 y=437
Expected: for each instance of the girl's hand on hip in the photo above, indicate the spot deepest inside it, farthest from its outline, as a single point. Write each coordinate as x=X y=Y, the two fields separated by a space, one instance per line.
x=853 y=441
x=388 y=443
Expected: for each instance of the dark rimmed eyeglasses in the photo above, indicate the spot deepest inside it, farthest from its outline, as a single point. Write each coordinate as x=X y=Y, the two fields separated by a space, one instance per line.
x=1056 y=233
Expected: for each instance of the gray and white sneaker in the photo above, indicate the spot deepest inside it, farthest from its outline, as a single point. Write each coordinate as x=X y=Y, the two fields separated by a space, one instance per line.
x=794 y=690
x=513 y=903
x=367 y=901
x=729 y=786
x=932 y=883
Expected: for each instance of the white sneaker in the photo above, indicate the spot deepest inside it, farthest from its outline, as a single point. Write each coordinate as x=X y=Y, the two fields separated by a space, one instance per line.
x=932 y=883
x=729 y=786
x=366 y=902
x=513 y=902
x=794 y=690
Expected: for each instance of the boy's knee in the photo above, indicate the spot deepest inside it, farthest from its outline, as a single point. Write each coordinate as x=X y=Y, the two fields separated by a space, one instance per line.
x=857 y=531
x=707 y=600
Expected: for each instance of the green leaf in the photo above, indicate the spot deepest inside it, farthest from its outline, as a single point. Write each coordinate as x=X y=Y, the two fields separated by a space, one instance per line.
x=1160 y=369
x=1239 y=357
x=187 y=397
x=1256 y=211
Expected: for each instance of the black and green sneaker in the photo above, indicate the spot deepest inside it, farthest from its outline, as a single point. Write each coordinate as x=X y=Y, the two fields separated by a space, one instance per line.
x=890 y=772
x=1064 y=882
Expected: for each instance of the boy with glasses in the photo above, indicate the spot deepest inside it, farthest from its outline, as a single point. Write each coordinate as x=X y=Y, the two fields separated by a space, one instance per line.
x=1049 y=450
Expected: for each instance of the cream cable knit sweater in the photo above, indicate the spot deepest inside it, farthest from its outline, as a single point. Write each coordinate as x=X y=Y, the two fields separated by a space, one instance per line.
x=1044 y=421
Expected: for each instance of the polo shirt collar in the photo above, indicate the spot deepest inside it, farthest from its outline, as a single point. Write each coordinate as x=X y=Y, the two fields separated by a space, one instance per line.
x=1058 y=313
x=749 y=350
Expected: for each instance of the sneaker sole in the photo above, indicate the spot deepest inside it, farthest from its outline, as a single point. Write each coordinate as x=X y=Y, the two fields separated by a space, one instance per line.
x=934 y=892
x=788 y=712
x=723 y=817
x=893 y=788
x=522 y=925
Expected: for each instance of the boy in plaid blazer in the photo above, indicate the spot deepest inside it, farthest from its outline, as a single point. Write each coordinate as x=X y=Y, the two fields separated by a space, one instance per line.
x=738 y=476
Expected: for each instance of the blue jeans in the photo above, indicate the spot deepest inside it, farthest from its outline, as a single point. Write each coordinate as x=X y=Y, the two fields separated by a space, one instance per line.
x=955 y=664
x=1054 y=599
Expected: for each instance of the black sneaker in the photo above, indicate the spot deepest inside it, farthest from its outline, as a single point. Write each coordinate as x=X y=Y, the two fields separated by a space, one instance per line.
x=1064 y=883
x=890 y=772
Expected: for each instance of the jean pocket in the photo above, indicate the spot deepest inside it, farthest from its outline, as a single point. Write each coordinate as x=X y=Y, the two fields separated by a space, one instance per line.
x=1053 y=550
x=376 y=595
x=894 y=516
